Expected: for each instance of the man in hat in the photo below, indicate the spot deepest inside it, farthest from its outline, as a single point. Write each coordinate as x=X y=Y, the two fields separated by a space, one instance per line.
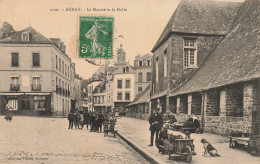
x=100 y=121
x=71 y=119
x=156 y=123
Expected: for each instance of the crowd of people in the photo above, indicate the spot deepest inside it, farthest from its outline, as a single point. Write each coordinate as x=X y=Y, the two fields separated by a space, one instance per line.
x=94 y=121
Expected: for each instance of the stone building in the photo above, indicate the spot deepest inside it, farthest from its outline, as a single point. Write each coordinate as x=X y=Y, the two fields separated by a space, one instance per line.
x=91 y=91
x=140 y=107
x=142 y=66
x=35 y=73
x=193 y=31
x=226 y=87
x=123 y=86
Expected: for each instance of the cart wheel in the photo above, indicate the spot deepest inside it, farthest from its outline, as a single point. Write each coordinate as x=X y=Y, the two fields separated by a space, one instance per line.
x=188 y=154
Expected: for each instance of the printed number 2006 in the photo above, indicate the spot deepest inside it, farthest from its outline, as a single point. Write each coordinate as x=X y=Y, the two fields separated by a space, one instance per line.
x=84 y=48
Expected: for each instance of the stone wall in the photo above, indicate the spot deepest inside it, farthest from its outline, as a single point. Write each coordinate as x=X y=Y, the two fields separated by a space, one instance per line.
x=212 y=100
x=252 y=104
x=226 y=125
x=234 y=99
x=196 y=103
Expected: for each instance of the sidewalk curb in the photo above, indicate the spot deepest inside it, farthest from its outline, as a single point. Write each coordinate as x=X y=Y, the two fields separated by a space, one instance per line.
x=148 y=156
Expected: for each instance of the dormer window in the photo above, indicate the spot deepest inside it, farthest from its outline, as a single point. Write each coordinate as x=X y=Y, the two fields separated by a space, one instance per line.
x=140 y=63
x=148 y=62
x=190 y=53
x=25 y=36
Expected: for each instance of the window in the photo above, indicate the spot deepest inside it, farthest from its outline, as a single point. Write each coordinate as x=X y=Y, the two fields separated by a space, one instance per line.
x=39 y=103
x=156 y=69
x=148 y=62
x=140 y=63
x=190 y=56
x=56 y=62
x=59 y=64
x=15 y=59
x=63 y=67
x=14 y=86
x=119 y=95
x=25 y=37
x=140 y=90
x=127 y=96
x=148 y=76
x=140 y=77
x=36 y=84
x=68 y=71
x=165 y=63
x=119 y=84
x=36 y=59
x=127 y=83
x=15 y=81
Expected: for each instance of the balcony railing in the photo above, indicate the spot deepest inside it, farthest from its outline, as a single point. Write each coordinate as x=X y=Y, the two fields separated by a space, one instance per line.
x=36 y=87
x=15 y=87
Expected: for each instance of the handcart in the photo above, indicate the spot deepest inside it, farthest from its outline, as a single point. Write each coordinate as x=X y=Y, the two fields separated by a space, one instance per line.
x=109 y=127
x=180 y=148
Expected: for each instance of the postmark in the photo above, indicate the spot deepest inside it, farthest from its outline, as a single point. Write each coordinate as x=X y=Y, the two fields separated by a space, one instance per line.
x=95 y=37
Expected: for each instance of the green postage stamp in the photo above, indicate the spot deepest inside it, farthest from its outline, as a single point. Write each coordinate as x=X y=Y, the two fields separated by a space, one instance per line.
x=96 y=36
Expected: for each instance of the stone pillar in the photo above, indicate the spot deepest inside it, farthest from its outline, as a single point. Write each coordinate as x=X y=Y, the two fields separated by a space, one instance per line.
x=189 y=104
x=222 y=103
x=251 y=102
x=167 y=106
x=178 y=105
x=212 y=99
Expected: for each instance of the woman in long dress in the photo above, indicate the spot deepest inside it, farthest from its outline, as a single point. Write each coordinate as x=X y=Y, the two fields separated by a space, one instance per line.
x=8 y=113
x=92 y=34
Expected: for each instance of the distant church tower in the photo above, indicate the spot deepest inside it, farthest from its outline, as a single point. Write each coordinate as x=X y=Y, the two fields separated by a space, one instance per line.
x=120 y=56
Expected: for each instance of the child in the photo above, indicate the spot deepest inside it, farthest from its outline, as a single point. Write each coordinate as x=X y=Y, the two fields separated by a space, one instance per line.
x=209 y=149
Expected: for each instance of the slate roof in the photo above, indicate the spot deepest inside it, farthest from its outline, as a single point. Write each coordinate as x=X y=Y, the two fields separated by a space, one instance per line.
x=119 y=70
x=144 y=97
x=235 y=59
x=143 y=57
x=200 y=17
x=36 y=37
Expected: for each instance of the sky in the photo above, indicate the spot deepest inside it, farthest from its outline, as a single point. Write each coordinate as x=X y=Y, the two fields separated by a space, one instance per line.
x=140 y=24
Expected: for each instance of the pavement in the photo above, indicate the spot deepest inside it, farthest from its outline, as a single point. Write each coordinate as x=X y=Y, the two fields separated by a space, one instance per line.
x=38 y=140
x=136 y=133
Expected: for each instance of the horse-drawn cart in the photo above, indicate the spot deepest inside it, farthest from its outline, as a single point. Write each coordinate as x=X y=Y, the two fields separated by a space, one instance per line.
x=183 y=148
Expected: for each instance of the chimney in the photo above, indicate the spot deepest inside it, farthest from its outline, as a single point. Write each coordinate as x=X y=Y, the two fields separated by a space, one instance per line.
x=64 y=48
x=7 y=29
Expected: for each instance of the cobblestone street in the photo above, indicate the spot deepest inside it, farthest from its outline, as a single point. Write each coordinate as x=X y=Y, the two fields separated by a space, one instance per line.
x=48 y=140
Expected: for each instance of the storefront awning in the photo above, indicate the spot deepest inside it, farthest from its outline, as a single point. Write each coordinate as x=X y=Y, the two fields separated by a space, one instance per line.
x=38 y=94
x=11 y=94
